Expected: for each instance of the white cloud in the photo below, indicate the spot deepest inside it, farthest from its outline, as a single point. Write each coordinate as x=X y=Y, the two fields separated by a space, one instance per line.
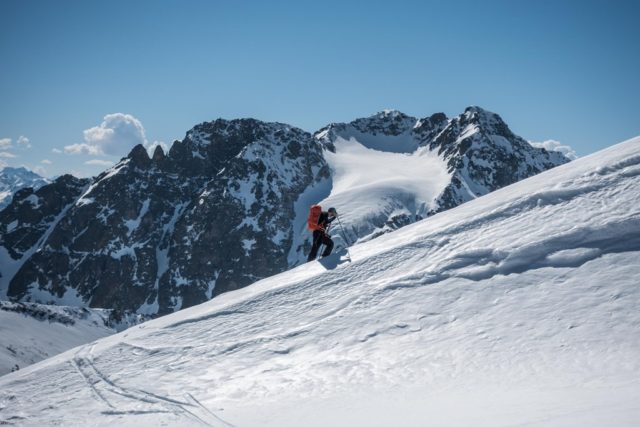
x=115 y=136
x=40 y=171
x=3 y=164
x=83 y=149
x=56 y=151
x=97 y=162
x=23 y=141
x=46 y=162
x=7 y=155
x=553 y=145
x=5 y=143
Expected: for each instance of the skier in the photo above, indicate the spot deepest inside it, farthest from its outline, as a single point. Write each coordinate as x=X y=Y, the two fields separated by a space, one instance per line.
x=320 y=230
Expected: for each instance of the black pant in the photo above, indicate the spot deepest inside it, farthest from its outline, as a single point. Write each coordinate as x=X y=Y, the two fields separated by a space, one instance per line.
x=319 y=238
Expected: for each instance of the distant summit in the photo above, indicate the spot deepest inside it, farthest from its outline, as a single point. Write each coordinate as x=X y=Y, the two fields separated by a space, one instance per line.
x=14 y=179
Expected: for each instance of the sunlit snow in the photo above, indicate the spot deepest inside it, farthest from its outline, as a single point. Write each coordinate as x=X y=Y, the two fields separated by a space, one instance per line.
x=368 y=183
x=517 y=308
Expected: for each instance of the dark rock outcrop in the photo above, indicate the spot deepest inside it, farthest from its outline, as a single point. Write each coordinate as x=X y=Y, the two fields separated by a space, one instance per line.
x=157 y=234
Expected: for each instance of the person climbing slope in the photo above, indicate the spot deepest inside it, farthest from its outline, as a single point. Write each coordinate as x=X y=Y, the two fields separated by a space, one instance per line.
x=319 y=223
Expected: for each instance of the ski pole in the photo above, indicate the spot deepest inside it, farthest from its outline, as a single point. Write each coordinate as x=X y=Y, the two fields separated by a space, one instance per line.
x=325 y=233
x=319 y=253
x=342 y=231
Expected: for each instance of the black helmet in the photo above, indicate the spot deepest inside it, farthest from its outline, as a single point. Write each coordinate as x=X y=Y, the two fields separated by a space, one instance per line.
x=333 y=211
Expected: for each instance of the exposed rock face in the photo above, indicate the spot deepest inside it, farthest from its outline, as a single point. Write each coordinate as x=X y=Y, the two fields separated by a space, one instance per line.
x=158 y=234
x=28 y=221
x=238 y=230
x=33 y=213
x=389 y=130
x=484 y=155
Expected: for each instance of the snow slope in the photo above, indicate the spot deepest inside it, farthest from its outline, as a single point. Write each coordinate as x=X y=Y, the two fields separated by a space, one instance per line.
x=517 y=308
x=33 y=332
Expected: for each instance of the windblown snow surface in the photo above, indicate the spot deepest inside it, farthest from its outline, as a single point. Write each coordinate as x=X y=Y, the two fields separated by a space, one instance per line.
x=517 y=308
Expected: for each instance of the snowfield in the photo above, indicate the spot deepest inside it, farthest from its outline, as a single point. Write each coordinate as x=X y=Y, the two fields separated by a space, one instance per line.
x=369 y=184
x=517 y=308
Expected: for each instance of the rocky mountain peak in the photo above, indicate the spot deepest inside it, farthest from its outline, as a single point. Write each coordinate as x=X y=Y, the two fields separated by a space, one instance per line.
x=486 y=121
x=208 y=145
x=428 y=128
x=222 y=130
x=158 y=155
x=139 y=156
x=483 y=155
x=389 y=114
x=386 y=122
x=475 y=110
x=387 y=126
x=21 y=170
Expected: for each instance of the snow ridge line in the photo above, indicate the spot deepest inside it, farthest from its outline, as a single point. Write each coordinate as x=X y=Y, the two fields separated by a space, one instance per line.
x=578 y=247
x=549 y=196
x=244 y=306
x=155 y=350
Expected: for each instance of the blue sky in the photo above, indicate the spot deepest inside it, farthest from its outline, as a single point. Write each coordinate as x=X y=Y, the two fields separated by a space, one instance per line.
x=83 y=74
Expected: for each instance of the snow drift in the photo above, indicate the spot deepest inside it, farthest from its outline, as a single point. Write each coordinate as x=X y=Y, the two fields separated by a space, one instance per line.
x=519 y=307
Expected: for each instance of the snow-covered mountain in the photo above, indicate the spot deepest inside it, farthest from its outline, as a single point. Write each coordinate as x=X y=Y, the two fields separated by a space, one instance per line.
x=517 y=308
x=33 y=332
x=14 y=179
x=391 y=169
x=227 y=205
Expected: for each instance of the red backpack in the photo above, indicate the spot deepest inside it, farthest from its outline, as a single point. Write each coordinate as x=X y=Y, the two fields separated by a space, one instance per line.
x=314 y=216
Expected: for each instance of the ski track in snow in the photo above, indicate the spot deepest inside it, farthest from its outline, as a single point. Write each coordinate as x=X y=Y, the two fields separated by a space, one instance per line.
x=134 y=401
x=517 y=308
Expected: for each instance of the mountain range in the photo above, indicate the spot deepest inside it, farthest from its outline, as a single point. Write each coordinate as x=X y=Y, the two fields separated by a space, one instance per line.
x=226 y=206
